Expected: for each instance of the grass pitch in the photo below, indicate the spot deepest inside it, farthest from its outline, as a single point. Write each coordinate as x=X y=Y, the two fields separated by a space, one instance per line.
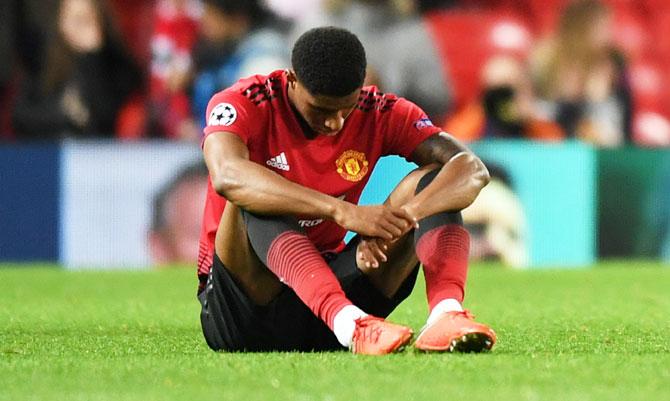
x=596 y=334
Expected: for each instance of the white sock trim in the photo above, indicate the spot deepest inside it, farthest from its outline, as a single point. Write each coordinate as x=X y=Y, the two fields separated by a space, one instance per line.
x=344 y=323
x=444 y=306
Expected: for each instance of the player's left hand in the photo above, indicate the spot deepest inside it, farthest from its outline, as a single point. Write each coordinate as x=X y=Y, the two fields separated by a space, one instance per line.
x=371 y=253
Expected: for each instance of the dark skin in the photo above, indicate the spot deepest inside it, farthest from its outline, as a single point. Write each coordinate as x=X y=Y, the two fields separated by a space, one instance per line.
x=386 y=253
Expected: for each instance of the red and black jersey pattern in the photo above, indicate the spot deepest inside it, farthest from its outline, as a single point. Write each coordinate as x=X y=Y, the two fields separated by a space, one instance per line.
x=259 y=93
x=264 y=119
x=205 y=260
x=370 y=100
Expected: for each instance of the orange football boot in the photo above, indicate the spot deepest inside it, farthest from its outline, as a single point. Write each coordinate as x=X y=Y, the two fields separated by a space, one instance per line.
x=376 y=336
x=456 y=331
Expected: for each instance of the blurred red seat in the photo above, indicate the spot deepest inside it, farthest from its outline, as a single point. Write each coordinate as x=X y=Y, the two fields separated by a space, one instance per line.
x=631 y=30
x=652 y=6
x=466 y=39
x=134 y=18
x=651 y=96
x=660 y=24
x=131 y=121
x=648 y=84
x=544 y=14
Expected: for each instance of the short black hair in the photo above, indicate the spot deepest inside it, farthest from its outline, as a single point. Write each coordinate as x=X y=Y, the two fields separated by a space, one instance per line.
x=329 y=61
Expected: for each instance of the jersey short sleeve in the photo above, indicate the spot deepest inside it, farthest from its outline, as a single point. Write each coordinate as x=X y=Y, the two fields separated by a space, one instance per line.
x=408 y=126
x=230 y=111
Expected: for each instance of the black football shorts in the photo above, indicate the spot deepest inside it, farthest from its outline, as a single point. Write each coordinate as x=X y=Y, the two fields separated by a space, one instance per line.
x=232 y=322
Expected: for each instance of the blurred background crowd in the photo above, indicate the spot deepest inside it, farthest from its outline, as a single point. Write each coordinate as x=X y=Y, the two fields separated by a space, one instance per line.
x=545 y=70
x=584 y=83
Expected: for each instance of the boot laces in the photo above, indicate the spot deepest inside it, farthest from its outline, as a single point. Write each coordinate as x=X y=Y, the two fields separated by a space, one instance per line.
x=367 y=329
x=465 y=313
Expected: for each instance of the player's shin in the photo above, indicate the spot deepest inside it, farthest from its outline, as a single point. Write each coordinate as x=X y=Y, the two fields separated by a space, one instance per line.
x=442 y=245
x=294 y=259
x=443 y=250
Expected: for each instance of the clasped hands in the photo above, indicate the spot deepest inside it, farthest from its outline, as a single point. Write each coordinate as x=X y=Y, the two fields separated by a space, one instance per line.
x=380 y=226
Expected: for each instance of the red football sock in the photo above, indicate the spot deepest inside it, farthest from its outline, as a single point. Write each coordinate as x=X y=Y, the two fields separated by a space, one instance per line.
x=293 y=258
x=444 y=251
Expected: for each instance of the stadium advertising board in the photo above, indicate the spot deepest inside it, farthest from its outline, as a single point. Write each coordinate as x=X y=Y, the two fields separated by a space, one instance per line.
x=107 y=199
x=548 y=208
x=100 y=204
x=634 y=203
x=29 y=214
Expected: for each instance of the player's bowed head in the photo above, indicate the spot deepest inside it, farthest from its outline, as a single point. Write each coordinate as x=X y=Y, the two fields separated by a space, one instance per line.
x=325 y=93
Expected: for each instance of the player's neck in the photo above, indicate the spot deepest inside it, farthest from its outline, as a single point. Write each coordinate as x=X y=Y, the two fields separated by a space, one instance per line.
x=306 y=129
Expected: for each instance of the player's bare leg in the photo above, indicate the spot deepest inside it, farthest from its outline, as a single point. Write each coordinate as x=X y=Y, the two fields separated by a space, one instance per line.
x=400 y=255
x=235 y=251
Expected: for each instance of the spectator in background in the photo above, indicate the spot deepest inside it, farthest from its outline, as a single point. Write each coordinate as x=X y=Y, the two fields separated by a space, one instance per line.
x=506 y=108
x=23 y=36
x=8 y=33
x=401 y=55
x=177 y=211
x=8 y=23
x=238 y=38
x=580 y=76
x=174 y=35
x=87 y=76
x=294 y=10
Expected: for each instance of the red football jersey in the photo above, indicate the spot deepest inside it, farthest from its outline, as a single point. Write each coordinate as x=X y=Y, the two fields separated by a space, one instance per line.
x=257 y=109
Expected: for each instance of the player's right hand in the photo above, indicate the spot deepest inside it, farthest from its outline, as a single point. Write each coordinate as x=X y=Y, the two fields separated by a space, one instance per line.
x=381 y=221
x=371 y=253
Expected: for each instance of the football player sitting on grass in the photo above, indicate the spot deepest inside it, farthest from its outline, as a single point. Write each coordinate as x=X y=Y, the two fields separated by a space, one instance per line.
x=289 y=154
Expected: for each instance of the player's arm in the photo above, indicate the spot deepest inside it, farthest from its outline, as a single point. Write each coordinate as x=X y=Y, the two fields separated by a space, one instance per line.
x=462 y=175
x=260 y=190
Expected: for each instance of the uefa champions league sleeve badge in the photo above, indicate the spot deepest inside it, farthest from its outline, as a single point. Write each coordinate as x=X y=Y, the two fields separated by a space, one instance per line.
x=222 y=114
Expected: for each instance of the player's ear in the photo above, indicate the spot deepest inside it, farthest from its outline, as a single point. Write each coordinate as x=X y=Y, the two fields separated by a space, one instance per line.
x=291 y=77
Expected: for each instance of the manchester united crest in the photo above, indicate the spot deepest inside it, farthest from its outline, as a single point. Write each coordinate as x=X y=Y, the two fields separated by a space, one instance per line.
x=351 y=165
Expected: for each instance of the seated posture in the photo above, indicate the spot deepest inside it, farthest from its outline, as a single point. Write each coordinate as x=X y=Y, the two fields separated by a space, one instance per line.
x=288 y=156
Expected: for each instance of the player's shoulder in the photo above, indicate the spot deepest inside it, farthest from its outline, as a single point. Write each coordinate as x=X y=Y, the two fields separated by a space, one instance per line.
x=248 y=100
x=256 y=89
x=391 y=110
x=374 y=101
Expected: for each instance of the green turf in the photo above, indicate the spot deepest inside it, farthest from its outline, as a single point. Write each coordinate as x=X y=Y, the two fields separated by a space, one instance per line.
x=596 y=334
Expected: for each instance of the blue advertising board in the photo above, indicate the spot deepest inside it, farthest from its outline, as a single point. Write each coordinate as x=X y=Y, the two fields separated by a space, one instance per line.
x=29 y=190
x=554 y=183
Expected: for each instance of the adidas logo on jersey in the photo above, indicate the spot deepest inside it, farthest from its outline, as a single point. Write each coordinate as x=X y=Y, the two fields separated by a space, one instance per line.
x=279 y=162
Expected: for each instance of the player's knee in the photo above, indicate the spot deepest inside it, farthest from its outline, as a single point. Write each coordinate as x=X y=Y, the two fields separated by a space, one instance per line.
x=447 y=217
x=270 y=224
x=262 y=230
x=406 y=189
